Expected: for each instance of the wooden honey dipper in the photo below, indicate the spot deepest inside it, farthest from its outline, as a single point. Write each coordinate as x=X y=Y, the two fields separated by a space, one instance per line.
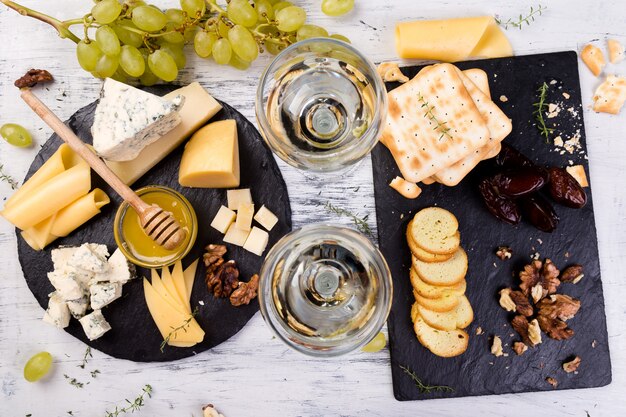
x=159 y=225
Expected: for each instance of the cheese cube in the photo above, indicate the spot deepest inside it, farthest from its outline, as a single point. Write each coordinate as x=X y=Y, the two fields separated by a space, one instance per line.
x=256 y=241
x=78 y=307
x=238 y=197
x=57 y=313
x=236 y=236
x=66 y=285
x=104 y=294
x=266 y=218
x=223 y=219
x=94 y=325
x=211 y=157
x=89 y=258
x=244 y=217
x=120 y=270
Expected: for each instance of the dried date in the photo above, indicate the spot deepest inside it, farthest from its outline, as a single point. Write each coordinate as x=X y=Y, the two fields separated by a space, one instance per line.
x=520 y=182
x=539 y=212
x=564 y=189
x=501 y=207
x=509 y=158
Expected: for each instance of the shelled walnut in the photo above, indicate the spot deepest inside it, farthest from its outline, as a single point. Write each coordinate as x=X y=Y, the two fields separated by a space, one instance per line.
x=559 y=306
x=555 y=328
x=529 y=331
x=519 y=348
x=552 y=381
x=572 y=365
x=539 y=279
x=245 y=292
x=32 y=77
x=515 y=301
x=572 y=274
x=222 y=277
x=210 y=411
x=504 y=252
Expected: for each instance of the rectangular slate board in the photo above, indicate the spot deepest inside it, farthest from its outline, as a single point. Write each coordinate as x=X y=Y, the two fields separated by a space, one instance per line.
x=477 y=371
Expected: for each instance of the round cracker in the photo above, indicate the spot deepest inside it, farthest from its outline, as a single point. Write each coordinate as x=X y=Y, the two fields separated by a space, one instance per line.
x=446 y=303
x=435 y=291
x=444 y=274
x=446 y=344
x=435 y=230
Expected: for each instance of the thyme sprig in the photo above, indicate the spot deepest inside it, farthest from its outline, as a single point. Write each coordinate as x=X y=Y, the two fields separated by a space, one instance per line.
x=175 y=330
x=94 y=373
x=440 y=126
x=74 y=381
x=86 y=358
x=424 y=388
x=360 y=222
x=134 y=405
x=540 y=109
x=7 y=178
x=519 y=22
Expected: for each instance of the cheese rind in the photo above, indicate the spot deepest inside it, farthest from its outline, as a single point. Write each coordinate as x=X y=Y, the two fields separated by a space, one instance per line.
x=211 y=157
x=197 y=109
x=236 y=236
x=236 y=198
x=266 y=218
x=223 y=219
x=256 y=241
x=245 y=213
x=127 y=120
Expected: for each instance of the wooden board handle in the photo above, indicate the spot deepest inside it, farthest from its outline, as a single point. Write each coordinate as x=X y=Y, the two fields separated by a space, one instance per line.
x=81 y=149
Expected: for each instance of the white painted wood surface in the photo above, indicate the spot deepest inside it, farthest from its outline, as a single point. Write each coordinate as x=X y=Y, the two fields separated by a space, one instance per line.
x=253 y=374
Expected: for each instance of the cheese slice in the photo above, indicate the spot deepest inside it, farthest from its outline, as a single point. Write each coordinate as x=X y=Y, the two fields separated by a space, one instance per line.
x=178 y=278
x=171 y=322
x=158 y=286
x=168 y=283
x=211 y=157
x=197 y=109
x=452 y=40
x=190 y=275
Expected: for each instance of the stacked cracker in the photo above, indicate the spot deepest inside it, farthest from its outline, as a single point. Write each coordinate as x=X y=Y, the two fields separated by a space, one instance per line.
x=441 y=310
x=440 y=125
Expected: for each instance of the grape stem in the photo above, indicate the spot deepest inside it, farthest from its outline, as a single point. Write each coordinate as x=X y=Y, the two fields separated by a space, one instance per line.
x=61 y=27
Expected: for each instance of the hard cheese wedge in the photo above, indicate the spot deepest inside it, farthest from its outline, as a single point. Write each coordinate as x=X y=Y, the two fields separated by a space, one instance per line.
x=179 y=329
x=190 y=275
x=168 y=283
x=163 y=292
x=197 y=109
x=452 y=40
x=211 y=157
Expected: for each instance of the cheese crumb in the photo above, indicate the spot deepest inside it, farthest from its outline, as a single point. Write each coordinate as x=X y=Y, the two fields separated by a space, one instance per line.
x=496 y=347
x=567 y=96
x=504 y=98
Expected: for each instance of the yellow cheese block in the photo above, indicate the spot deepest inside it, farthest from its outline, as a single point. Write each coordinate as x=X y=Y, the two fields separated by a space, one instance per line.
x=180 y=329
x=211 y=157
x=452 y=40
x=198 y=108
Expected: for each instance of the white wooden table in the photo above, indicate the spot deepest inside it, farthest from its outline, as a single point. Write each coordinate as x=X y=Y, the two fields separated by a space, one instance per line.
x=254 y=374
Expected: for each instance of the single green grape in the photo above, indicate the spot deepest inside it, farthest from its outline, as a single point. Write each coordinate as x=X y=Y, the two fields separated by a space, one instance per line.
x=175 y=16
x=222 y=51
x=290 y=18
x=106 y=66
x=194 y=8
x=107 y=41
x=163 y=65
x=176 y=52
x=243 y=43
x=16 y=135
x=126 y=36
x=311 y=31
x=203 y=43
x=281 y=5
x=131 y=61
x=37 y=366
x=264 y=10
x=273 y=48
x=88 y=53
x=337 y=7
x=377 y=344
x=148 y=78
x=149 y=18
x=174 y=36
x=222 y=29
x=242 y=13
x=340 y=37
x=238 y=63
x=190 y=33
x=106 y=11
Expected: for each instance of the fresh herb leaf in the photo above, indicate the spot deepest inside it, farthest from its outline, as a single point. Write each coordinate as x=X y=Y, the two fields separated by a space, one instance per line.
x=74 y=381
x=133 y=406
x=540 y=108
x=7 y=178
x=94 y=373
x=445 y=131
x=86 y=358
x=424 y=388
x=360 y=222
x=519 y=22
x=182 y=327
x=71 y=413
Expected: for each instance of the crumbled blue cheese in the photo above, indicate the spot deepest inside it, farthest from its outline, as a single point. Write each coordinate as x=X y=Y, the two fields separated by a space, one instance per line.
x=89 y=258
x=57 y=313
x=120 y=270
x=61 y=256
x=104 y=294
x=127 y=120
x=94 y=325
x=67 y=287
x=79 y=306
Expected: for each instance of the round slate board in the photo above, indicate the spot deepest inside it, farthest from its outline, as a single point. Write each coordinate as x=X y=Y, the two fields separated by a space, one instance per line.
x=134 y=335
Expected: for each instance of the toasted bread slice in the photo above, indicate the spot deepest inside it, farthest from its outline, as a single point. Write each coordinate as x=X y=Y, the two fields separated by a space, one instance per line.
x=445 y=274
x=420 y=253
x=435 y=230
x=444 y=343
x=443 y=304
x=435 y=291
x=459 y=318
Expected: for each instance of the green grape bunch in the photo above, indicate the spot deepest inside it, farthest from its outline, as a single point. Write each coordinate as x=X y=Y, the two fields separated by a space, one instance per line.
x=132 y=40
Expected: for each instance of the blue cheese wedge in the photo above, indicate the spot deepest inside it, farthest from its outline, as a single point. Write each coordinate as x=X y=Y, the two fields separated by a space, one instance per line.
x=89 y=257
x=102 y=295
x=57 y=313
x=127 y=120
x=94 y=325
x=120 y=270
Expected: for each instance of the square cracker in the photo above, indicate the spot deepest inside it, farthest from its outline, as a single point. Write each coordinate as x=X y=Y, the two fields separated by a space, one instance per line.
x=610 y=95
x=499 y=126
x=415 y=140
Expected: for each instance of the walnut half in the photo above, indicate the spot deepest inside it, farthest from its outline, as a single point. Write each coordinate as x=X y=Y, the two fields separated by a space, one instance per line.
x=572 y=366
x=210 y=411
x=515 y=301
x=572 y=274
x=559 y=306
x=555 y=328
x=245 y=292
x=529 y=331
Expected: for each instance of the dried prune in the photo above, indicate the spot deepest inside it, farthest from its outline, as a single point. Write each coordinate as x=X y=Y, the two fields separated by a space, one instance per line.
x=509 y=157
x=521 y=181
x=539 y=212
x=501 y=207
x=564 y=189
